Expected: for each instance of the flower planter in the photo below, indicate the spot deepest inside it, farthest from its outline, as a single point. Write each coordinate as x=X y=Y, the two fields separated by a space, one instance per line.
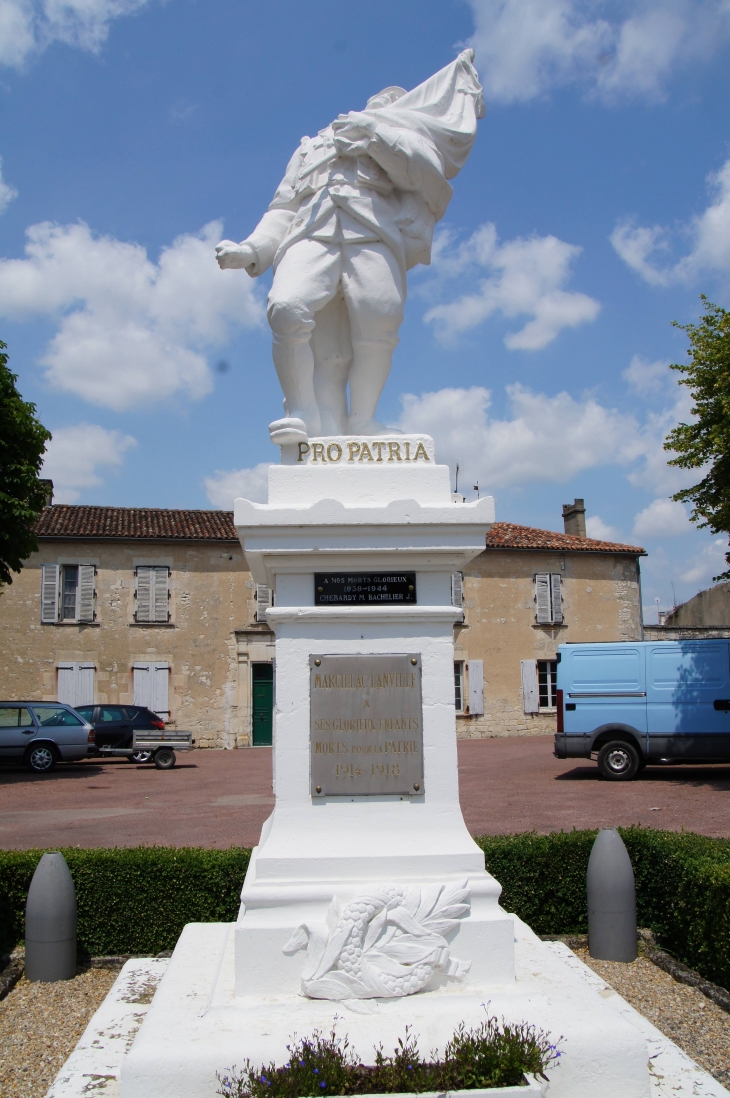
x=531 y=1087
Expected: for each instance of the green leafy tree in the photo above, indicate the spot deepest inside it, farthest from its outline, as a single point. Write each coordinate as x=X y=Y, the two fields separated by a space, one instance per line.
x=23 y=441
x=705 y=443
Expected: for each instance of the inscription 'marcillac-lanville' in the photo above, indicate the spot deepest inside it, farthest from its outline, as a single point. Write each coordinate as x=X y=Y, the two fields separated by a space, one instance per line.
x=366 y=725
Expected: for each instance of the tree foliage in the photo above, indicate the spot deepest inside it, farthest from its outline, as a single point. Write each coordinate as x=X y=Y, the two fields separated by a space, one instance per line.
x=705 y=443
x=22 y=495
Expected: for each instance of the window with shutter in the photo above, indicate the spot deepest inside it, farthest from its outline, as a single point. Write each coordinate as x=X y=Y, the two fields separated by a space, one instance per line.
x=547 y=684
x=153 y=593
x=476 y=686
x=528 y=669
x=457 y=589
x=85 y=596
x=459 y=687
x=548 y=598
x=263 y=601
x=49 y=593
x=70 y=592
x=142 y=685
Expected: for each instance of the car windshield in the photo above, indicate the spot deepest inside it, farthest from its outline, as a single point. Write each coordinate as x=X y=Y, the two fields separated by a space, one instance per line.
x=86 y=711
x=55 y=715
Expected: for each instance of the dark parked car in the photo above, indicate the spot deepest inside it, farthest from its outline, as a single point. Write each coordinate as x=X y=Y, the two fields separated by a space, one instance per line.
x=40 y=734
x=114 y=725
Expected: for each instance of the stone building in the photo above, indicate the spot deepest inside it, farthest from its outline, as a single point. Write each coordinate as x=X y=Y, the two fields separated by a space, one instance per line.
x=140 y=606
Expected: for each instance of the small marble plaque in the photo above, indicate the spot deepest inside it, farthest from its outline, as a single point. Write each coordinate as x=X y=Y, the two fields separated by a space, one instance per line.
x=366 y=730
x=364 y=588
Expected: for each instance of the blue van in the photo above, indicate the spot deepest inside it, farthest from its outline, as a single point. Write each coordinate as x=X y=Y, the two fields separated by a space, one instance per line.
x=629 y=704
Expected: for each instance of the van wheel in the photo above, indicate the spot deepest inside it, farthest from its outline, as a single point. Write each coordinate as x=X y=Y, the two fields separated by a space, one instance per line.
x=618 y=761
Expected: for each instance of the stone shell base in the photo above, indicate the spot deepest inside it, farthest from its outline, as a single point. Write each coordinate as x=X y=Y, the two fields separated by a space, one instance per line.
x=196 y=1026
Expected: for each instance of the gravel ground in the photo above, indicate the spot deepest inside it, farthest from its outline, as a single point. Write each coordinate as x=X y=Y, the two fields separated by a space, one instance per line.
x=40 y=1025
x=693 y=1022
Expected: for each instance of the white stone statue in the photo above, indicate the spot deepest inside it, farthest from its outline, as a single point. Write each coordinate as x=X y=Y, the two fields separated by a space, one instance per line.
x=355 y=210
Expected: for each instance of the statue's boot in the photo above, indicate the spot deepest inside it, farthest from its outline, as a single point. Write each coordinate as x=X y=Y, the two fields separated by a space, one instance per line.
x=294 y=364
x=368 y=375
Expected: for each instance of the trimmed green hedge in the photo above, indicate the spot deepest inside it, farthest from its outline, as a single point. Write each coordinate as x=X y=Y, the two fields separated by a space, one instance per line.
x=131 y=900
x=682 y=888
x=137 y=900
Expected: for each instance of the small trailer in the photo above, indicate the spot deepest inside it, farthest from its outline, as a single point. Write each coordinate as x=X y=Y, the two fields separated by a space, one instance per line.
x=161 y=746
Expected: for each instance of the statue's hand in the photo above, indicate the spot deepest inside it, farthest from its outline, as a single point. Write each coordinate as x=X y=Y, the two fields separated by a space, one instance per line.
x=233 y=256
x=352 y=132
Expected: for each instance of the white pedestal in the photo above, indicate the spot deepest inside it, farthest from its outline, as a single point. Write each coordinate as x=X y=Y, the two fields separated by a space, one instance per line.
x=233 y=993
x=370 y=517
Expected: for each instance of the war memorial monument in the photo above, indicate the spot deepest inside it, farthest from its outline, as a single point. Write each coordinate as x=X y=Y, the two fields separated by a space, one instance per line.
x=366 y=899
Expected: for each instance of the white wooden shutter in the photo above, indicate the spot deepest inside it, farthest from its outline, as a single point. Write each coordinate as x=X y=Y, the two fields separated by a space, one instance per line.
x=76 y=683
x=67 y=683
x=457 y=589
x=476 y=686
x=160 y=677
x=142 y=685
x=160 y=596
x=49 y=593
x=263 y=601
x=542 y=598
x=151 y=686
x=530 y=697
x=84 y=684
x=144 y=599
x=85 y=595
x=556 y=598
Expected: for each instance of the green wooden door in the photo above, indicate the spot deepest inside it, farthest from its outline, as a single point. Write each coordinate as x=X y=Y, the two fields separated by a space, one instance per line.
x=262 y=689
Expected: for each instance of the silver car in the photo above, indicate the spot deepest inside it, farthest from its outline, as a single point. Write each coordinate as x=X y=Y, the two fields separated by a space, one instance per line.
x=40 y=734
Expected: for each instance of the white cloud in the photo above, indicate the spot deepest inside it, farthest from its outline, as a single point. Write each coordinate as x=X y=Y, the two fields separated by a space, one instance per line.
x=30 y=26
x=648 y=379
x=527 y=280
x=546 y=439
x=131 y=332
x=709 y=232
x=226 y=485
x=74 y=453
x=663 y=518
x=7 y=193
x=525 y=48
x=597 y=528
x=709 y=562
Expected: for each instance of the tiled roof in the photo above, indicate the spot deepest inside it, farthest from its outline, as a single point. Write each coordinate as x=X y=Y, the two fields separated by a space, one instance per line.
x=508 y=535
x=145 y=523
x=64 y=520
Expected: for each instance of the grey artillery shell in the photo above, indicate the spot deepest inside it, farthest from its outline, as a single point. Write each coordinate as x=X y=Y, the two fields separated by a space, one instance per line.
x=50 y=922
x=611 y=899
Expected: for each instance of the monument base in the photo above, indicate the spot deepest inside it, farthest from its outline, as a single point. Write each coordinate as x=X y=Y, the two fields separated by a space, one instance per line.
x=197 y=1027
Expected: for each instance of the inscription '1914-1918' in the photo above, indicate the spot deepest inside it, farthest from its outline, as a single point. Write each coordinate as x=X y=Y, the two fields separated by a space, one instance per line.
x=366 y=725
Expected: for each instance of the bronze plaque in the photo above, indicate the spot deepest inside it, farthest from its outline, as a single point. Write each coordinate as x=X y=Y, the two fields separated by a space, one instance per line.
x=366 y=730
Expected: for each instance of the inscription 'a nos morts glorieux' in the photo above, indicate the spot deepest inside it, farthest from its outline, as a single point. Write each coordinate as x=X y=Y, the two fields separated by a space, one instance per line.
x=366 y=725
x=363 y=588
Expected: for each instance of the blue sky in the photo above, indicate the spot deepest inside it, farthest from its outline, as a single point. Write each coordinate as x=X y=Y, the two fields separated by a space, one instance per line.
x=594 y=209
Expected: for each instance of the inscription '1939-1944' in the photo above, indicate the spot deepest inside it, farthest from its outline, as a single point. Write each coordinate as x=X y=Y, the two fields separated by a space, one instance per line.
x=366 y=725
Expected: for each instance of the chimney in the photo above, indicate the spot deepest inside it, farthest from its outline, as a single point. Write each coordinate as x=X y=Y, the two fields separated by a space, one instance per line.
x=574 y=518
x=48 y=485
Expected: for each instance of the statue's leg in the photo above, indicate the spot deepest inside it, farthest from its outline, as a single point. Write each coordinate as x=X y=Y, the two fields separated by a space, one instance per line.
x=374 y=290
x=332 y=360
x=305 y=280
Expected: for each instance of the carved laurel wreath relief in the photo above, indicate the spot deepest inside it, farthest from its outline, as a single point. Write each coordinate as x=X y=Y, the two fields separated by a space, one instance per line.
x=387 y=943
